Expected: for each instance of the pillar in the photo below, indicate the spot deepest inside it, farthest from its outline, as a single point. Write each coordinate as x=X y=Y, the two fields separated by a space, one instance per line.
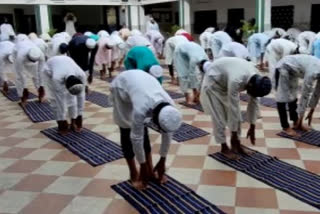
x=43 y=18
x=134 y=16
x=184 y=15
x=142 y=19
x=260 y=14
x=267 y=14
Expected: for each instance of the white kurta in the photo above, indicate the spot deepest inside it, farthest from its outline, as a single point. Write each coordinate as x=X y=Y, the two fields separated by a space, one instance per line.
x=223 y=81
x=120 y=46
x=276 y=50
x=42 y=45
x=23 y=67
x=170 y=47
x=217 y=40
x=156 y=39
x=257 y=45
x=293 y=34
x=204 y=39
x=276 y=31
x=292 y=68
x=305 y=41
x=152 y=26
x=138 y=40
x=54 y=45
x=56 y=71
x=186 y=57
x=6 y=50
x=135 y=94
x=234 y=49
x=6 y=30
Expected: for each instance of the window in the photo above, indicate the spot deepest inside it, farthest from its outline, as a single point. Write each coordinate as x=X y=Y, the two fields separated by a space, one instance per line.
x=204 y=19
x=282 y=16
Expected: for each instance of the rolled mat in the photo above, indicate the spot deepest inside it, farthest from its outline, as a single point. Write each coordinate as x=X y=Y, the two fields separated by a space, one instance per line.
x=38 y=112
x=99 y=99
x=89 y=146
x=297 y=182
x=171 y=197
x=312 y=137
x=184 y=133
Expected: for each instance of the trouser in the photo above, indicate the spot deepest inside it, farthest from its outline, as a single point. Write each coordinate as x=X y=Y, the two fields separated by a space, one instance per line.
x=282 y=110
x=126 y=143
x=171 y=70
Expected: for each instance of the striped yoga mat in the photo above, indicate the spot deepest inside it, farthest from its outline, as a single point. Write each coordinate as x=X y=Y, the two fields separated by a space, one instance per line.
x=12 y=95
x=185 y=132
x=197 y=107
x=171 y=197
x=265 y=101
x=312 y=137
x=297 y=182
x=38 y=112
x=89 y=146
x=99 y=99
x=174 y=95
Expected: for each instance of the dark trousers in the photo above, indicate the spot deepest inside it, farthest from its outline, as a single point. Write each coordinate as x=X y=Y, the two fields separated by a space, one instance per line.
x=282 y=110
x=171 y=70
x=126 y=143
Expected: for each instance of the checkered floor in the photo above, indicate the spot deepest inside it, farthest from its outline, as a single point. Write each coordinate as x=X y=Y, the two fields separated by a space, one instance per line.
x=40 y=176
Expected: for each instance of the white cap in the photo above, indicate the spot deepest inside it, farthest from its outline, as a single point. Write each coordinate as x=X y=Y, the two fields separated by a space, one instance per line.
x=76 y=89
x=88 y=33
x=34 y=54
x=21 y=37
x=170 y=119
x=156 y=71
x=206 y=66
x=90 y=43
x=33 y=36
x=103 y=33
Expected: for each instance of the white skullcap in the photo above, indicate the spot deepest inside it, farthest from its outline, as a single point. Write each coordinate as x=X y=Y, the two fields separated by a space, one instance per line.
x=206 y=66
x=170 y=119
x=45 y=37
x=10 y=58
x=21 y=37
x=34 y=54
x=33 y=36
x=90 y=43
x=122 y=46
x=103 y=33
x=88 y=33
x=156 y=71
x=76 y=89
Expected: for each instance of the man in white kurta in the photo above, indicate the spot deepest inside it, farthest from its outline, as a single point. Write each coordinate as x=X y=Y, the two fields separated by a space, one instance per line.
x=276 y=50
x=216 y=42
x=288 y=72
x=138 y=97
x=223 y=81
x=169 y=49
x=152 y=25
x=186 y=58
x=119 y=49
x=6 y=32
x=157 y=41
x=293 y=34
x=234 y=49
x=70 y=20
x=204 y=39
x=29 y=60
x=65 y=82
x=257 y=46
x=57 y=46
x=305 y=41
x=138 y=40
x=6 y=63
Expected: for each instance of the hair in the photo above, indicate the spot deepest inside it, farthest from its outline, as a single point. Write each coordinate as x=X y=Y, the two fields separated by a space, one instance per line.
x=156 y=111
x=72 y=80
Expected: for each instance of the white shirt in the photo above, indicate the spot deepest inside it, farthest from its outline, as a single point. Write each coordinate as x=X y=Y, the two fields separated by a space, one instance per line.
x=234 y=49
x=170 y=47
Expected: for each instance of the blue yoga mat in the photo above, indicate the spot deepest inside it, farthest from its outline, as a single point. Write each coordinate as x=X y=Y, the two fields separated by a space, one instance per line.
x=171 y=197
x=88 y=145
x=312 y=137
x=297 y=182
x=12 y=95
x=38 y=112
x=99 y=99
x=184 y=133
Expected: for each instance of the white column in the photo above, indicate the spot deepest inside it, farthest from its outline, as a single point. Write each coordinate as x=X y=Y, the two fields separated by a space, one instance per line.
x=44 y=16
x=134 y=17
x=187 y=15
x=267 y=15
x=142 y=19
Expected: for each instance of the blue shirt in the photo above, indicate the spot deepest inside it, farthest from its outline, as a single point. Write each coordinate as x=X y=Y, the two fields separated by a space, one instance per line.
x=316 y=48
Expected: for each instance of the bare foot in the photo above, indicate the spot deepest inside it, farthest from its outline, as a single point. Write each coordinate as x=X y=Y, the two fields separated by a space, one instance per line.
x=289 y=131
x=63 y=132
x=163 y=180
x=139 y=185
x=230 y=155
x=302 y=128
x=242 y=150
